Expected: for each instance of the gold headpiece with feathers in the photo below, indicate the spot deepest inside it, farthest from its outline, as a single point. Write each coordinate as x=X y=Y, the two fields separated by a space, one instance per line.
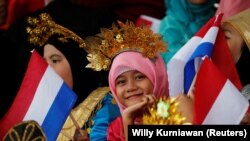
x=104 y=46
x=42 y=28
x=119 y=38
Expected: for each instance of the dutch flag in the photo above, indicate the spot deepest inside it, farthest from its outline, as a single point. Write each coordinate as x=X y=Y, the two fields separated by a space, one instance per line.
x=43 y=97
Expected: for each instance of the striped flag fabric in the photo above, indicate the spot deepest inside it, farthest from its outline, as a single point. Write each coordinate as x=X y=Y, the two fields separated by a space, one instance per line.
x=204 y=48
x=216 y=99
x=43 y=97
x=208 y=41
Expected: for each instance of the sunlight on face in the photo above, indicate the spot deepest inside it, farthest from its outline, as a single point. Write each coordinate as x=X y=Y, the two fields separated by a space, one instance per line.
x=59 y=63
x=234 y=40
x=131 y=86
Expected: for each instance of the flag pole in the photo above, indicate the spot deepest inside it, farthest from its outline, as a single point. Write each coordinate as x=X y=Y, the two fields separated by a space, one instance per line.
x=191 y=89
x=75 y=123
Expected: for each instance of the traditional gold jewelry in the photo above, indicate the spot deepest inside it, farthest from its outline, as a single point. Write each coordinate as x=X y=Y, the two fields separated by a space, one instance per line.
x=164 y=112
x=104 y=46
x=42 y=28
x=119 y=38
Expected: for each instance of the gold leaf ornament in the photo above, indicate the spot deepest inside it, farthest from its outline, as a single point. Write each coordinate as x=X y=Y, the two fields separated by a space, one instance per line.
x=164 y=112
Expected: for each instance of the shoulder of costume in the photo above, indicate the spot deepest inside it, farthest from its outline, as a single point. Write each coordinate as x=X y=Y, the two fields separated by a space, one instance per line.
x=84 y=112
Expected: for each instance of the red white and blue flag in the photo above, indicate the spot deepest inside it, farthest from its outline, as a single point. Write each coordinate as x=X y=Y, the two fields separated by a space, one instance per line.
x=216 y=99
x=208 y=41
x=43 y=97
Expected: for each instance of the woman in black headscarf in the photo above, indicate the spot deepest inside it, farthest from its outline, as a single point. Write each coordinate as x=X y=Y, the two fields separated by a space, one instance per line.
x=85 y=22
x=84 y=80
x=57 y=45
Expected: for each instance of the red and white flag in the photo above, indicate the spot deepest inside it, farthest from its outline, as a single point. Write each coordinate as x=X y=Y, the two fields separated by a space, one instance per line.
x=216 y=99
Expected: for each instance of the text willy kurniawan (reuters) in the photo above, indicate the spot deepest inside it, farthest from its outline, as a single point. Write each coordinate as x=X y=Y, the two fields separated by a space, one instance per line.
x=194 y=132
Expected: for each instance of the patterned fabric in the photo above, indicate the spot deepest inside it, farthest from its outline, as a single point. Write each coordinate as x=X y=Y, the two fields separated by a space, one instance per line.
x=25 y=131
x=103 y=118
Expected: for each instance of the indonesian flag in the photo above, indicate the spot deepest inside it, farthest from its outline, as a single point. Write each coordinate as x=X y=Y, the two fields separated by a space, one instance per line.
x=216 y=99
x=208 y=41
x=43 y=97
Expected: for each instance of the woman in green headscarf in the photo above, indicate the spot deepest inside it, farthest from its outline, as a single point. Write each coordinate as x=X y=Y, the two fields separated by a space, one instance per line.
x=183 y=19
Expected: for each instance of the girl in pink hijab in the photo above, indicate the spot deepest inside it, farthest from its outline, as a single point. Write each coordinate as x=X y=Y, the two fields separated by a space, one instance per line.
x=137 y=76
x=232 y=7
x=135 y=82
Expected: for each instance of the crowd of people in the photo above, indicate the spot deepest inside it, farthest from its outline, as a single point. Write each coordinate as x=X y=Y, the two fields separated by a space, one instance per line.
x=117 y=69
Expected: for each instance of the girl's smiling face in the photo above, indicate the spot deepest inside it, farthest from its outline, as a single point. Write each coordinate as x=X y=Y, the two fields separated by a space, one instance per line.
x=131 y=86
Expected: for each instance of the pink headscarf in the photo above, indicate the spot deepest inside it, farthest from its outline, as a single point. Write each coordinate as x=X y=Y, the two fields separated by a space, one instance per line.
x=154 y=69
x=232 y=7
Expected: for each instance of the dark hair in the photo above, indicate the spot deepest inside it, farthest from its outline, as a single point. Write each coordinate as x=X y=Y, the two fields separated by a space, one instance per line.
x=242 y=66
x=84 y=80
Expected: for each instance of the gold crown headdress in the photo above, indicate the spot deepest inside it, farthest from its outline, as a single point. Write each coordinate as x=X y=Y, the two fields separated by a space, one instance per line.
x=42 y=28
x=119 y=38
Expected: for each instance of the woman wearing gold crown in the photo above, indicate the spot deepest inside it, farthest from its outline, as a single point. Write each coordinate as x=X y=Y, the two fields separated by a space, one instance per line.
x=237 y=33
x=137 y=77
x=66 y=53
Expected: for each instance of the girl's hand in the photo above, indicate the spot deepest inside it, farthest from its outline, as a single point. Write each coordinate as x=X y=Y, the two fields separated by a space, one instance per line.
x=130 y=113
